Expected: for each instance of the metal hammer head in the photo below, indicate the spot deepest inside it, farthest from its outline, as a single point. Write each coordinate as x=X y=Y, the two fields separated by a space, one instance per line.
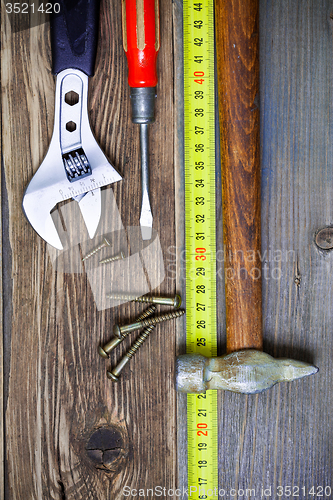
x=248 y=372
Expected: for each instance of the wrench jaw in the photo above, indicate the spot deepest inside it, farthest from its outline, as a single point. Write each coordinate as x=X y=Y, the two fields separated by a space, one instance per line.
x=41 y=219
x=47 y=188
x=38 y=213
x=91 y=209
x=53 y=182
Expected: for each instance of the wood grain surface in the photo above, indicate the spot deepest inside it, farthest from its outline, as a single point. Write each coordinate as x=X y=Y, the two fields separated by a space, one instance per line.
x=237 y=59
x=70 y=432
x=283 y=437
x=63 y=420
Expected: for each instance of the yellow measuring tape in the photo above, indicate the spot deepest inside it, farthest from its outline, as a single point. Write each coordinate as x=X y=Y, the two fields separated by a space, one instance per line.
x=200 y=239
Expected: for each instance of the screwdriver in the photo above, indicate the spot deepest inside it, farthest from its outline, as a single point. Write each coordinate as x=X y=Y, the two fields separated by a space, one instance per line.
x=141 y=40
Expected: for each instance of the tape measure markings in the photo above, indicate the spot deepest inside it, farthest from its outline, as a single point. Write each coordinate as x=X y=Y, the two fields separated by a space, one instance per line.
x=200 y=239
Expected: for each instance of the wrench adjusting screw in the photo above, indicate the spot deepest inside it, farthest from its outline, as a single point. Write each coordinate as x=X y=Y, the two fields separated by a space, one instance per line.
x=107 y=348
x=120 y=330
x=105 y=243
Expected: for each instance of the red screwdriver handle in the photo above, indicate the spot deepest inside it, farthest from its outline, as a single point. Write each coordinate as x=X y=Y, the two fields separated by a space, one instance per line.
x=141 y=38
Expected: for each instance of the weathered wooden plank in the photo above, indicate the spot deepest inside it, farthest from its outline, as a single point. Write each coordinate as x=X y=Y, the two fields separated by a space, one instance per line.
x=2 y=451
x=282 y=437
x=57 y=393
x=297 y=200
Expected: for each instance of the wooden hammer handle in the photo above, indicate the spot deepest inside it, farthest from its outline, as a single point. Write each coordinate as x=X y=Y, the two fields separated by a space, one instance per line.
x=237 y=42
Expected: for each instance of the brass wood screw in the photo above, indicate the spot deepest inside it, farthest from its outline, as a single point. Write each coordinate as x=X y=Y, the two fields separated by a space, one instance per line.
x=114 y=374
x=120 y=330
x=119 y=256
x=175 y=301
x=107 y=348
x=105 y=243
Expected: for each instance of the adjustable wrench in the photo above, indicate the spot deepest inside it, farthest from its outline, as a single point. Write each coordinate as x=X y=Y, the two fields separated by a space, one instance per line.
x=74 y=166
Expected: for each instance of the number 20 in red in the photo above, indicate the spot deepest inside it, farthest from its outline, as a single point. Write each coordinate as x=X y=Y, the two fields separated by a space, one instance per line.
x=202 y=433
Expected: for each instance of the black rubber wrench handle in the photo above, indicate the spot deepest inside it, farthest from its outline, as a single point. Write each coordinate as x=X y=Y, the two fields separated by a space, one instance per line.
x=74 y=34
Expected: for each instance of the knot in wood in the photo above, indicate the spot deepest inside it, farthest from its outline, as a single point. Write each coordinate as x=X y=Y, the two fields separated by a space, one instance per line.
x=105 y=448
x=324 y=238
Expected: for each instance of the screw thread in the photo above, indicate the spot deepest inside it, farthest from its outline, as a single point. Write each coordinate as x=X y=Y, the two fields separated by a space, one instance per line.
x=150 y=324
x=163 y=317
x=105 y=243
x=120 y=330
x=119 y=256
x=114 y=374
x=142 y=316
x=139 y=341
x=123 y=331
x=169 y=301
x=105 y=350
x=143 y=299
x=148 y=312
x=120 y=296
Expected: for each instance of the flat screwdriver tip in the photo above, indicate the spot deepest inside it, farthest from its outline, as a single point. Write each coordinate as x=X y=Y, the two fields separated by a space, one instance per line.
x=146 y=233
x=146 y=218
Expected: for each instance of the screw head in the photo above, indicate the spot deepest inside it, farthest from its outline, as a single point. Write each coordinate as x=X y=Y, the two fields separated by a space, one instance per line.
x=116 y=331
x=178 y=302
x=111 y=376
x=102 y=353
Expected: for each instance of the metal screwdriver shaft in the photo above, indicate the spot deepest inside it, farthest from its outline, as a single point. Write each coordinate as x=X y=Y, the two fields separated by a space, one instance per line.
x=146 y=216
